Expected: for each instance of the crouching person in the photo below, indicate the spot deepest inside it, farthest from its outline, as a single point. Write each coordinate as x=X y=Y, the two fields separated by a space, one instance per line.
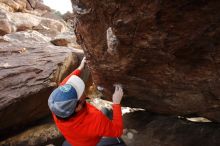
x=79 y=122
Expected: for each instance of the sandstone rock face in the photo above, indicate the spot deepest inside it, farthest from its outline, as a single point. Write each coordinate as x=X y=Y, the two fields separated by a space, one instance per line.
x=67 y=39
x=36 y=136
x=13 y=4
x=12 y=22
x=30 y=67
x=23 y=5
x=166 y=54
x=5 y=27
x=146 y=129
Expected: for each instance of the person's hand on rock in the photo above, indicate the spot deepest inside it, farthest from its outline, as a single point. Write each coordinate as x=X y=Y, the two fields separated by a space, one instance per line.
x=82 y=64
x=118 y=94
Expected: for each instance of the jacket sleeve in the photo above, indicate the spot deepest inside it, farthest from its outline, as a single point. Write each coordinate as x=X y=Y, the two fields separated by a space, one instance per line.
x=75 y=72
x=108 y=128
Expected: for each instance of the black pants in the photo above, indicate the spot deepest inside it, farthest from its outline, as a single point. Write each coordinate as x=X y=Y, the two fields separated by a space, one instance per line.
x=107 y=141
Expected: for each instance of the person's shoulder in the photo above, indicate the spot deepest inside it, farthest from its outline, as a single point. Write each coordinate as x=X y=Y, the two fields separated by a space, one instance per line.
x=91 y=107
x=93 y=111
x=89 y=104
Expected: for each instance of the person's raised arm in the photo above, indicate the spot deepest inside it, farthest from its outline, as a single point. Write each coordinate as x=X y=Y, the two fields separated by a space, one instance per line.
x=113 y=128
x=76 y=71
x=82 y=64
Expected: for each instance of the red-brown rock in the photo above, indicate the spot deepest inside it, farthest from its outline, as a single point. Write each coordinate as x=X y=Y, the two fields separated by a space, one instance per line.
x=23 y=5
x=166 y=54
x=30 y=67
x=43 y=134
x=145 y=129
x=19 y=21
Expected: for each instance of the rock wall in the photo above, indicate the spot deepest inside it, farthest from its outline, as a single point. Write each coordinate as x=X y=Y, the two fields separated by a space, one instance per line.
x=23 y=5
x=147 y=129
x=31 y=66
x=40 y=135
x=28 y=74
x=166 y=54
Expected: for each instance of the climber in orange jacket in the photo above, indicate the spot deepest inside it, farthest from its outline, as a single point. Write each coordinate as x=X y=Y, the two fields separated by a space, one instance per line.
x=81 y=123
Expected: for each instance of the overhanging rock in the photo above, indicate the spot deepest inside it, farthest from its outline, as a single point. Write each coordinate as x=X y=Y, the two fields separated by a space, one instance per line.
x=166 y=54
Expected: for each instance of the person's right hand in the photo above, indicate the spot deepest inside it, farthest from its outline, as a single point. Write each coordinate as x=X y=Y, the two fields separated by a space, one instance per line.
x=118 y=94
x=82 y=64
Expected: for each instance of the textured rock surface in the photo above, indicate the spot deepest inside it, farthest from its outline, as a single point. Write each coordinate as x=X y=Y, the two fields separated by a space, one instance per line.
x=145 y=129
x=142 y=128
x=30 y=67
x=67 y=39
x=12 y=22
x=40 y=135
x=165 y=53
x=23 y=5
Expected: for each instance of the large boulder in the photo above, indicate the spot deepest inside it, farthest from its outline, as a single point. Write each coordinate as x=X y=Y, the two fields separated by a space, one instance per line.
x=23 y=5
x=12 y=22
x=67 y=39
x=14 y=5
x=146 y=129
x=30 y=67
x=166 y=54
x=39 y=135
